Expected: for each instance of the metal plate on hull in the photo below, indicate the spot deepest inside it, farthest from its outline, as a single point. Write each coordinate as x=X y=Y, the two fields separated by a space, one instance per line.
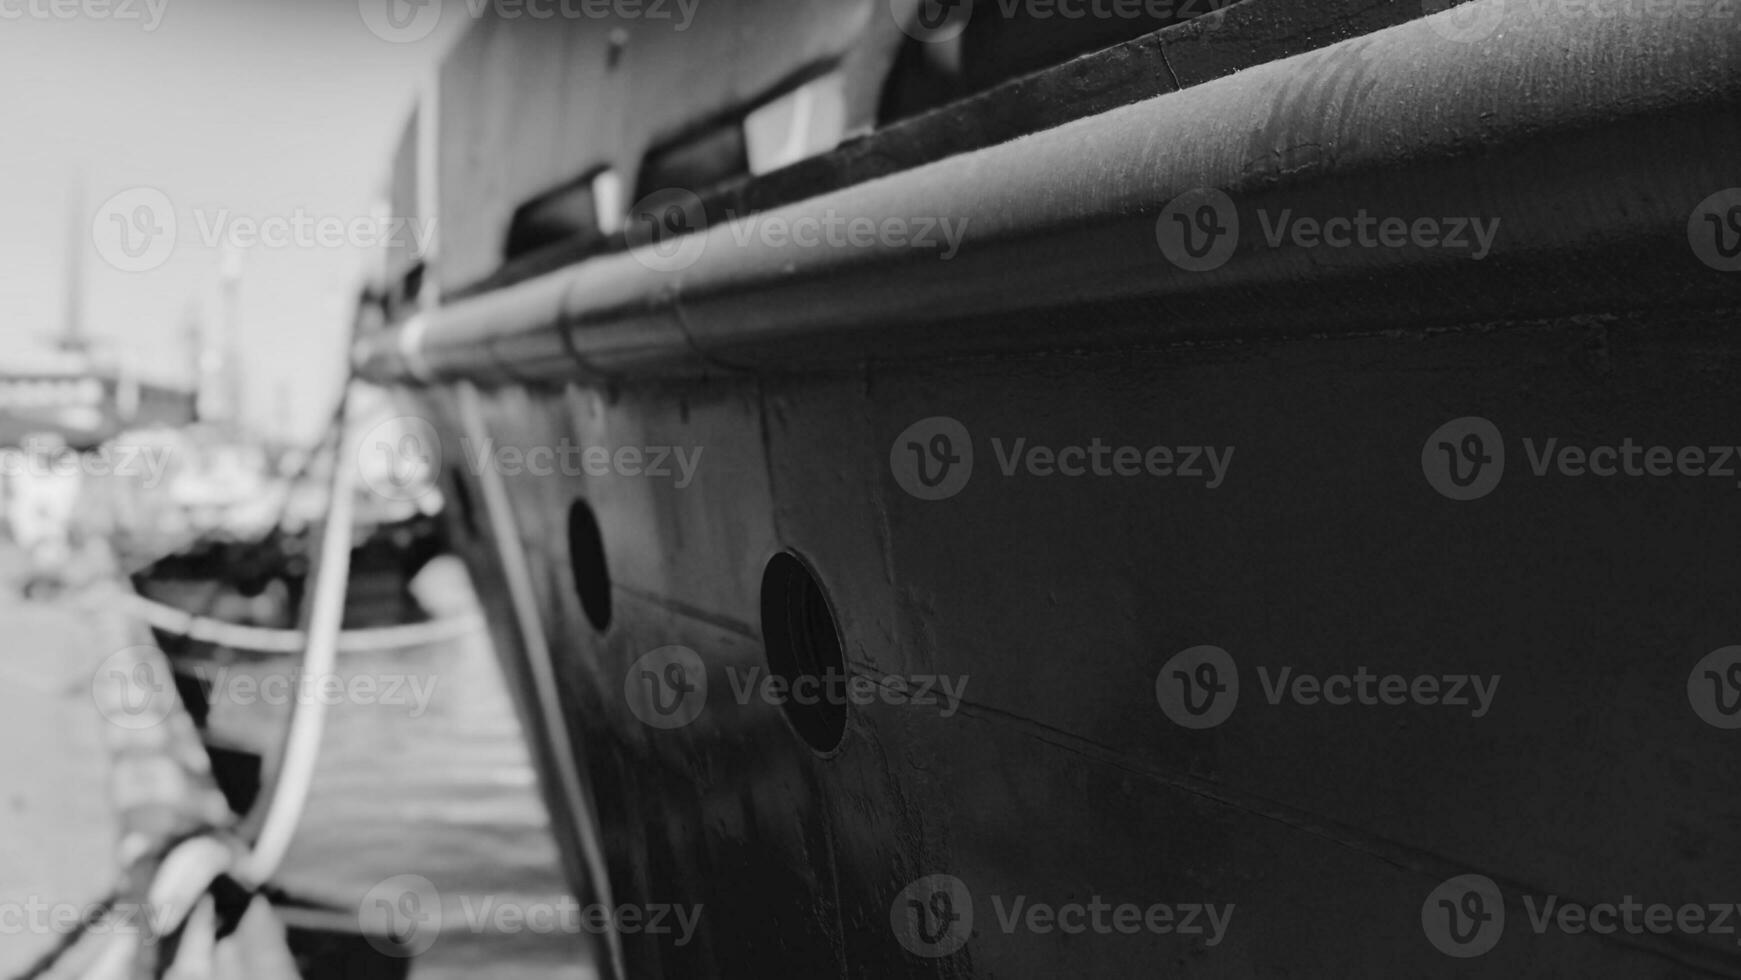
x=1059 y=600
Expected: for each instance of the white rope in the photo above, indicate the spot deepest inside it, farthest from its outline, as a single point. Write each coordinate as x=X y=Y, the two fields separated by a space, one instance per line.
x=196 y=956
x=263 y=640
x=295 y=770
x=179 y=889
x=184 y=877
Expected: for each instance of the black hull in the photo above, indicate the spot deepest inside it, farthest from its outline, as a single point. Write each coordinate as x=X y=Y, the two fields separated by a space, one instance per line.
x=1324 y=546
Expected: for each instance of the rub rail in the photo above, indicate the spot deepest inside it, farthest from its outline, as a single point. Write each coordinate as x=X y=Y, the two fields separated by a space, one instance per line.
x=1589 y=140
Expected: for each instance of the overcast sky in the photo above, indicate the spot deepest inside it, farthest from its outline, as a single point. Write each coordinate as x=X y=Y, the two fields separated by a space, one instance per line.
x=235 y=111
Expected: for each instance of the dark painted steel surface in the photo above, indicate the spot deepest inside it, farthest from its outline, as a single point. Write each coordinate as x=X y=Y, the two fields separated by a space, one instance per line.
x=1058 y=601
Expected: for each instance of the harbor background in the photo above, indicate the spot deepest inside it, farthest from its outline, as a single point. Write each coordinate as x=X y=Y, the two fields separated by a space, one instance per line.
x=445 y=792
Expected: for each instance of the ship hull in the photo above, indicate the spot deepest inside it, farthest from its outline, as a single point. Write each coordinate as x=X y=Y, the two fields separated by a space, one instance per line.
x=1055 y=602
x=1435 y=516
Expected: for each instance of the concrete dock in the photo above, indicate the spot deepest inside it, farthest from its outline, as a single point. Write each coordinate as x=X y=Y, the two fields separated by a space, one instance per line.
x=58 y=829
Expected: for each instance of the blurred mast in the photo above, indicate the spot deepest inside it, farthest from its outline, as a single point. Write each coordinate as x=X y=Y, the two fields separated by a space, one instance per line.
x=229 y=341
x=72 y=334
x=220 y=380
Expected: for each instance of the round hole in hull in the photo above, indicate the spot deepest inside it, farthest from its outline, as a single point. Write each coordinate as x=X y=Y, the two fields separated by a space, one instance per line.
x=586 y=557
x=803 y=648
